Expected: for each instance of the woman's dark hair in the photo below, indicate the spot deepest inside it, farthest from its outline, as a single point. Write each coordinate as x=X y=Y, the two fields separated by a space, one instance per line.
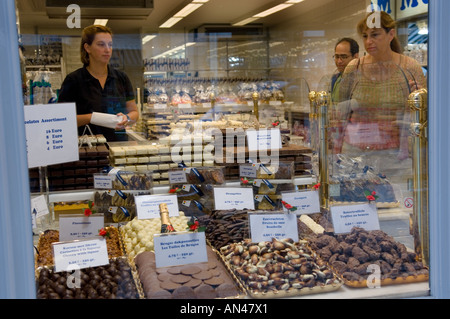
x=88 y=36
x=387 y=23
x=354 y=46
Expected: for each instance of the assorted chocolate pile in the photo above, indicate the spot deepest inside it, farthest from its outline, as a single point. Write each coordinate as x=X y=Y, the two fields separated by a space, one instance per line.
x=351 y=254
x=207 y=280
x=226 y=226
x=113 y=281
x=277 y=266
x=44 y=255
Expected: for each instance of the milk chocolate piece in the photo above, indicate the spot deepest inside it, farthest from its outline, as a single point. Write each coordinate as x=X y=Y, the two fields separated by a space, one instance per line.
x=183 y=293
x=190 y=270
x=205 y=292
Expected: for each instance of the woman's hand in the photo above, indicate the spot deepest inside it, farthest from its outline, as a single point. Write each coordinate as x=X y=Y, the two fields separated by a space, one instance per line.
x=124 y=123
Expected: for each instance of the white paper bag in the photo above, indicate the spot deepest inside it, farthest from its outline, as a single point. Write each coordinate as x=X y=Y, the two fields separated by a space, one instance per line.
x=105 y=119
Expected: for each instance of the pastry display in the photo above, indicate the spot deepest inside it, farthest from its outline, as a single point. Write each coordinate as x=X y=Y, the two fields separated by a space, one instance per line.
x=350 y=255
x=44 y=249
x=112 y=281
x=206 y=280
x=279 y=268
x=138 y=234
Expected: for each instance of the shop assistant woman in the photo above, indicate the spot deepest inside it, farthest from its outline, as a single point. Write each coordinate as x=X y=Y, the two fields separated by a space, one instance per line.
x=98 y=87
x=374 y=93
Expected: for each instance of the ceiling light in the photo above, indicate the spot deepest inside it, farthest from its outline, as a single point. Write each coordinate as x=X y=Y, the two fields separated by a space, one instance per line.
x=187 y=10
x=183 y=13
x=245 y=21
x=267 y=12
x=148 y=38
x=272 y=10
x=102 y=22
x=171 y=22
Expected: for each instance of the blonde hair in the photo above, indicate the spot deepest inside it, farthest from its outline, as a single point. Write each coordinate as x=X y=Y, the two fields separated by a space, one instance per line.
x=387 y=23
x=88 y=36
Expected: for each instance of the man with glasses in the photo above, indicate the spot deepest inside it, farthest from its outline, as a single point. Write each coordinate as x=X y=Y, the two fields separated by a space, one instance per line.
x=346 y=49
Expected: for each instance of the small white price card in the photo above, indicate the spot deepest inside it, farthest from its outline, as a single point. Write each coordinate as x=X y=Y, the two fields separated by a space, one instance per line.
x=233 y=198
x=80 y=254
x=103 y=181
x=304 y=202
x=72 y=227
x=248 y=170
x=269 y=139
x=264 y=227
x=182 y=248
x=147 y=206
x=346 y=217
x=177 y=177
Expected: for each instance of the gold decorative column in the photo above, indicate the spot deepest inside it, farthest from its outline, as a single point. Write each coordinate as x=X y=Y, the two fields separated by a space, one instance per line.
x=313 y=125
x=418 y=102
x=212 y=98
x=255 y=97
x=322 y=100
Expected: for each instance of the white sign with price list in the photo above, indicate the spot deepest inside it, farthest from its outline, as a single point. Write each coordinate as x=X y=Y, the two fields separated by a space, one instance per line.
x=175 y=249
x=264 y=227
x=263 y=140
x=346 y=217
x=233 y=198
x=80 y=253
x=51 y=132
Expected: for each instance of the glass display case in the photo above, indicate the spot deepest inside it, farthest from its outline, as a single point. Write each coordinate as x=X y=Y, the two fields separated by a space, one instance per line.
x=239 y=135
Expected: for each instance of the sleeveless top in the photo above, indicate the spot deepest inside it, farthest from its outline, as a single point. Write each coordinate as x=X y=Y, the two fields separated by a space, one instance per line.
x=373 y=103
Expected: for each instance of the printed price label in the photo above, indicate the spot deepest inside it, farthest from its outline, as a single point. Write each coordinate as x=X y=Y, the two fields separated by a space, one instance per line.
x=176 y=249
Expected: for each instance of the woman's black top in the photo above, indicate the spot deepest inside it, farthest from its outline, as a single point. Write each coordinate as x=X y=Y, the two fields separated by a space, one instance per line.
x=89 y=96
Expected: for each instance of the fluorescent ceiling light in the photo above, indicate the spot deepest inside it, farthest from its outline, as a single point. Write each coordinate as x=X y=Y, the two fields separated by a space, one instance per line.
x=148 y=38
x=267 y=12
x=273 y=10
x=101 y=22
x=187 y=10
x=183 y=13
x=245 y=21
x=171 y=22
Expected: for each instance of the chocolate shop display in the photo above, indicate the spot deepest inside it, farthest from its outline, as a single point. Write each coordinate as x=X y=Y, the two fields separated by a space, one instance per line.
x=351 y=178
x=138 y=234
x=44 y=250
x=112 y=281
x=207 y=280
x=351 y=256
x=279 y=268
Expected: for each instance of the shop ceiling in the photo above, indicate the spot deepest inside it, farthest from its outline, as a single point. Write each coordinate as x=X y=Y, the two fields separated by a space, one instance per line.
x=43 y=17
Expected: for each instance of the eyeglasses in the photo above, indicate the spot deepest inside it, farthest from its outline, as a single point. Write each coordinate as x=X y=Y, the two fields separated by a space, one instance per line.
x=341 y=56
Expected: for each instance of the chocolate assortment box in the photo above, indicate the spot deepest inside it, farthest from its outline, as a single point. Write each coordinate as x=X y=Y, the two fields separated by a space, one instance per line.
x=112 y=281
x=207 y=280
x=44 y=250
x=352 y=254
x=279 y=268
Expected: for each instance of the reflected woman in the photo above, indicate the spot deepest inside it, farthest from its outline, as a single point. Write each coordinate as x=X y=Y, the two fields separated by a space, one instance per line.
x=373 y=96
x=98 y=87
